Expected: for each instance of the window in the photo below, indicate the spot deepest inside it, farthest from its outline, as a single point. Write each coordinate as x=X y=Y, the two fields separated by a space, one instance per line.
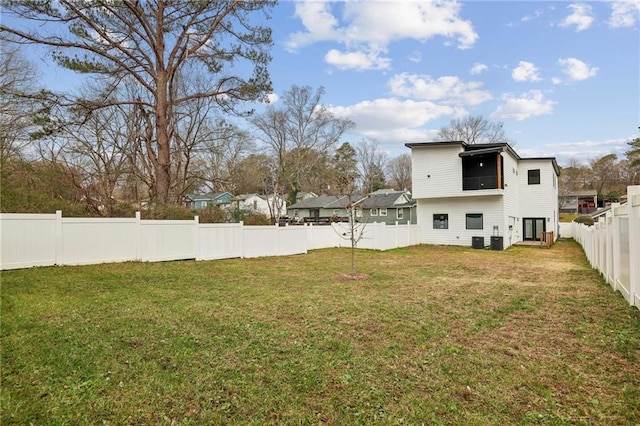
x=534 y=176
x=474 y=220
x=335 y=212
x=295 y=212
x=399 y=213
x=358 y=212
x=255 y=204
x=440 y=221
x=373 y=212
x=383 y=212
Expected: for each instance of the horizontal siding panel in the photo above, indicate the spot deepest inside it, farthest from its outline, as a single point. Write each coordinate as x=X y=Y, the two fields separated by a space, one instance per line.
x=457 y=234
x=436 y=172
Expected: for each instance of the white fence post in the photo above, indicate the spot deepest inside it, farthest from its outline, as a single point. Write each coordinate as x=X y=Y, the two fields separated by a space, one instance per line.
x=633 y=206
x=615 y=241
x=138 y=237
x=58 y=234
x=608 y=261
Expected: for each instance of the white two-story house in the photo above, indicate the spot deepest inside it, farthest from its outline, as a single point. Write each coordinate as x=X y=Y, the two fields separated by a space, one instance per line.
x=469 y=194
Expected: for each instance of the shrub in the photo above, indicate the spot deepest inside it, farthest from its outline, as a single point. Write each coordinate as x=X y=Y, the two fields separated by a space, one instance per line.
x=587 y=220
x=212 y=214
x=167 y=212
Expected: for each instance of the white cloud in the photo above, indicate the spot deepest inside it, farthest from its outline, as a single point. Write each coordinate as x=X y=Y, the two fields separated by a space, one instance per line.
x=393 y=119
x=273 y=98
x=536 y=15
x=478 y=68
x=581 y=18
x=582 y=151
x=357 y=60
x=525 y=71
x=416 y=57
x=576 y=70
x=624 y=13
x=319 y=22
x=392 y=112
x=528 y=104
x=370 y=26
x=446 y=89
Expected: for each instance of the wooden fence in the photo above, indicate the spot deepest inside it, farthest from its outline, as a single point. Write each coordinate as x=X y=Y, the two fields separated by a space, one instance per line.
x=29 y=240
x=612 y=246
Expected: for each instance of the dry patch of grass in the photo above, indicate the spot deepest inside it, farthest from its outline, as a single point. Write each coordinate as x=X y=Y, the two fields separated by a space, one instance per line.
x=425 y=335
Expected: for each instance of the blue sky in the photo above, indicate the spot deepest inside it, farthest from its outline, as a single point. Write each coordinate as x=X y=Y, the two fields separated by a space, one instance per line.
x=563 y=77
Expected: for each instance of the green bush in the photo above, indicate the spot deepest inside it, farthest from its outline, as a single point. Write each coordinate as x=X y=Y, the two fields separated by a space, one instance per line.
x=249 y=218
x=167 y=212
x=587 y=220
x=212 y=214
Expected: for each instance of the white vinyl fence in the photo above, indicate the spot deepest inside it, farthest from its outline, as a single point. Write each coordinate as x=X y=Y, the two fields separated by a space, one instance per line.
x=49 y=239
x=612 y=246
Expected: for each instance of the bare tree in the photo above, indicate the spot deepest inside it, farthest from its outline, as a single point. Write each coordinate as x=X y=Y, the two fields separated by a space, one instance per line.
x=298 y=134
x=371 y=164
x=98 y=150
x=222 y=153
x=18 y=82
x=606 y=176
x=474 y=130
x=154 y=43
x=399 y=172
x=353 y=229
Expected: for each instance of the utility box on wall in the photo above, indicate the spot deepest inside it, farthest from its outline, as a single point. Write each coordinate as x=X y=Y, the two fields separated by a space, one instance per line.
x=477 y=242
x=496 y=243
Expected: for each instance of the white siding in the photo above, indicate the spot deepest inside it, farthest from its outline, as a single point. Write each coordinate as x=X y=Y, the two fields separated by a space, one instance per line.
x=437 y=184
x=491 y=208
x=437 y=171
x=512 y=227
x=539 y=200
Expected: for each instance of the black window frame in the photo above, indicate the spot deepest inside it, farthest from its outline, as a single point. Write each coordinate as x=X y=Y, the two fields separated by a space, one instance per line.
x=473 y=216
x=440 y=219
x=533 y=176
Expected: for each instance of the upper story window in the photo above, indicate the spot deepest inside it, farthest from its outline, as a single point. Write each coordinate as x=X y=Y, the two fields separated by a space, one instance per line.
x=482 y=169
x=533 y=176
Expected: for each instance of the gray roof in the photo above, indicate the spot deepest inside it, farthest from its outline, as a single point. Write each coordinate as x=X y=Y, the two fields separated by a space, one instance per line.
x=376 y=201
x=314 y=202
x=324 y=202
x=206 y=197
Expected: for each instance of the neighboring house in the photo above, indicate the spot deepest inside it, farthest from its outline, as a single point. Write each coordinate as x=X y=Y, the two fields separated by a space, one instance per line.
x=270 y=206
x=201 y=201
x=584 y=202
x=467 y=194
x=321 y=209
x=388 y=206
x=601 y=212
x=304 y=195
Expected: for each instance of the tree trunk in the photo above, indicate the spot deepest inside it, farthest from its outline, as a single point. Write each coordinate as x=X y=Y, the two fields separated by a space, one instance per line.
x=163 y=166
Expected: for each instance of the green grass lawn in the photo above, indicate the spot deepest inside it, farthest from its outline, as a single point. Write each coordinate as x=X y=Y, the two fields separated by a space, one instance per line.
x=426 y=335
